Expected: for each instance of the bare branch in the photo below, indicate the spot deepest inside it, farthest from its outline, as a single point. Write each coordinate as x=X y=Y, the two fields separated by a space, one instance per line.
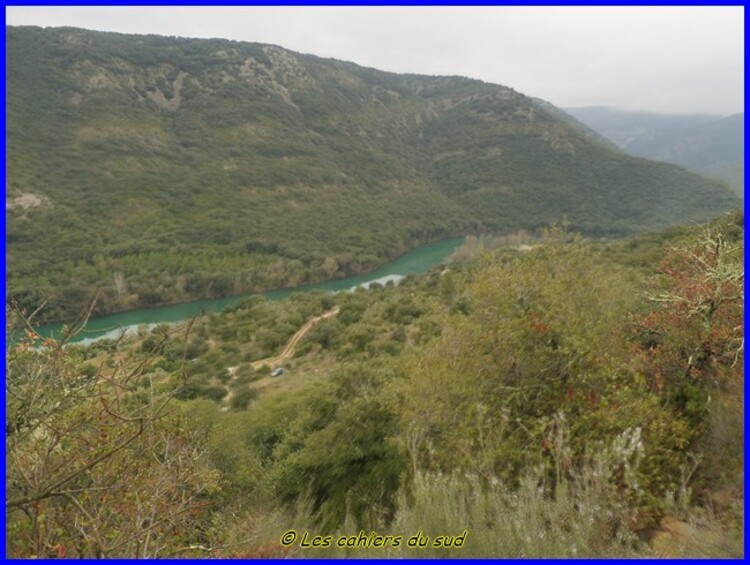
x=51 y=489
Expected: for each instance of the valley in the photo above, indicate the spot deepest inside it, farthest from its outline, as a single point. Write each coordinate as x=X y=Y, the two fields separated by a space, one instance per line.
x=457 y=387
x=417 y=261
x=225 y=168
x=333 y=311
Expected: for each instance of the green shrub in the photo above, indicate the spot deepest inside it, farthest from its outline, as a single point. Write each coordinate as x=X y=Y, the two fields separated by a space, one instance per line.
x=242 y=398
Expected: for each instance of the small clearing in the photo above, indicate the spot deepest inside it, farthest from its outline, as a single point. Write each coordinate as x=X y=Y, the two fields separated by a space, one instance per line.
x=25 y=201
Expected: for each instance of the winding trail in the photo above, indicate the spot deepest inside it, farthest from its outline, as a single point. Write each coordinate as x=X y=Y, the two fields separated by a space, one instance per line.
x=287 y=352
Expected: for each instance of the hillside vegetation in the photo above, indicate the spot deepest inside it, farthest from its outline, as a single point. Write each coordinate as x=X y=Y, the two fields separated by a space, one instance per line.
x=152 y=169
x=559 y=399
x=709 y=145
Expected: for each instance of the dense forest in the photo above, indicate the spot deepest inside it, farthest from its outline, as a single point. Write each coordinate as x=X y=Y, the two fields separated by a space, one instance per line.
x=566 y=398
x=148 y=170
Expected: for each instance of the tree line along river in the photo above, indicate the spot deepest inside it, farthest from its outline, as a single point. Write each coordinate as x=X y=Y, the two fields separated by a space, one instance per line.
x=416 y=261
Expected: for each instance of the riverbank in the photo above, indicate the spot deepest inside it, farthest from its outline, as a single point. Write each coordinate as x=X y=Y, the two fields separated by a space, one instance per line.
x=416 y=261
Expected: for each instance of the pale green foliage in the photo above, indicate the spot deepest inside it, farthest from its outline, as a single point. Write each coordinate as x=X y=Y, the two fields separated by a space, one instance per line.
x=539 y=328
x=227 y=438
x=581 y=515
x=541 y=333
x=585 y=516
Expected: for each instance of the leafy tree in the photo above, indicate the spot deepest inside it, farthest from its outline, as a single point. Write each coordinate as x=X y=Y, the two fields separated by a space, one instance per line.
x=544 y=334
x=340 y=453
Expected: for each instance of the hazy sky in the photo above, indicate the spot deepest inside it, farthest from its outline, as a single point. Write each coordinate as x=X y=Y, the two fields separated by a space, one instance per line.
x=663 y=59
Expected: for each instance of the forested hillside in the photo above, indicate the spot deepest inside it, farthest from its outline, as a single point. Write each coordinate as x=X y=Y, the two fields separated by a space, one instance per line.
x=561 y=398
x=709 y=145
x=153 y=169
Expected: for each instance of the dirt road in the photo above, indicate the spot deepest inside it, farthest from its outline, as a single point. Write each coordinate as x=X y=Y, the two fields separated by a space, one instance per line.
x=285 y=354
x=288 y=350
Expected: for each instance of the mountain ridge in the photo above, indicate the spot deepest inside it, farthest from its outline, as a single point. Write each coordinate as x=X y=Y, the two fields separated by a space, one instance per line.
x=158 y=169
x=712 y=146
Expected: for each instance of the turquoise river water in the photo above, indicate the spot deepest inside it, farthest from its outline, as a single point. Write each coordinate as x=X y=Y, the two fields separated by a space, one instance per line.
x=417 y=261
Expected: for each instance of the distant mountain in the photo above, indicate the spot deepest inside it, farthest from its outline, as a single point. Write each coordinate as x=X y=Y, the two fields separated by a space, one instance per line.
x=584 y=127
x=708 y=145
x=157 y=169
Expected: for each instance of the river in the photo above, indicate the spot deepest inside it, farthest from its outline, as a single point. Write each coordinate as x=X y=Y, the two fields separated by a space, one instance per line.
x=416 y=261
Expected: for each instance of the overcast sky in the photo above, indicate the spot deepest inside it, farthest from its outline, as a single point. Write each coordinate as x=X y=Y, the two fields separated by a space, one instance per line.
x=662 y=59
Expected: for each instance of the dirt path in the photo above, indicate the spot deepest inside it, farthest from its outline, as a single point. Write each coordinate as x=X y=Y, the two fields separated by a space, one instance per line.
x=287 y=352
